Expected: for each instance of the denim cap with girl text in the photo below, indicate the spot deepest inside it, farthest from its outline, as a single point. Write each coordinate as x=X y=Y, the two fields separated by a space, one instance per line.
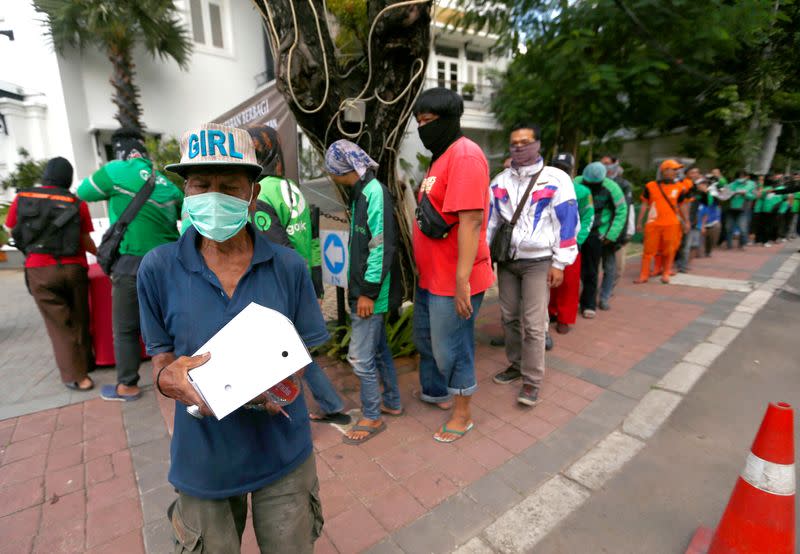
x=211 y=145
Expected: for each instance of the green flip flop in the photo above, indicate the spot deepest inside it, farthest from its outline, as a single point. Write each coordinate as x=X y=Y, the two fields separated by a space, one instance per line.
x=459 y=434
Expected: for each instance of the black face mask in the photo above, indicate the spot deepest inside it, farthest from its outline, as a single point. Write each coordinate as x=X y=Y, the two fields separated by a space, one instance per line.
x=439 y=134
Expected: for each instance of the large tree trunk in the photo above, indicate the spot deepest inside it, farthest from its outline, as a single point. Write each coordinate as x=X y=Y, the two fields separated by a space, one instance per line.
x=768 y=148
x=126 y=93
x=320 y=88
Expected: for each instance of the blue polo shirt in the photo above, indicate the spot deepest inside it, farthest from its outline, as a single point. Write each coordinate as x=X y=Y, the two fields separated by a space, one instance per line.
x=182 y=305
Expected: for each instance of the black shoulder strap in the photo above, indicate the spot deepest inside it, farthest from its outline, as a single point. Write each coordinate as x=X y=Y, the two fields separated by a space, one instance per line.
x=524 y=198
x=138 y=201
x=291 y=199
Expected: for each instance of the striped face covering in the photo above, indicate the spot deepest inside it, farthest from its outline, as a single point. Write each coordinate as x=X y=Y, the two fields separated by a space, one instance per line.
x=344 y=156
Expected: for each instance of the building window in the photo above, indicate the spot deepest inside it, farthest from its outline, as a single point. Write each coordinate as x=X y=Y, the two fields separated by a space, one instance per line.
x=474 y=56
x=208 y=23
x=447 y=75
x=447 y=51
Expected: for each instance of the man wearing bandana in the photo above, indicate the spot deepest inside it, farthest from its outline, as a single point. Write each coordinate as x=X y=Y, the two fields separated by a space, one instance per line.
x=452 y=258
x=543 y=243
x=156 y=223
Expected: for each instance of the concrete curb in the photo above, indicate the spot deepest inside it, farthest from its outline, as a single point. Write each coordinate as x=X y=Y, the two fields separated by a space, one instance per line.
x=522 y=526
x=595 y=467
x=530 y=520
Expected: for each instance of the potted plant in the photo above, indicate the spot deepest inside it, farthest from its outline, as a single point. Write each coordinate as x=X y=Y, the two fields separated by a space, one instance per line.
x=468 y=91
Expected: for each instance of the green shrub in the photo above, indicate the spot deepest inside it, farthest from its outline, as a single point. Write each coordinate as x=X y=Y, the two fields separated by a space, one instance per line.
x=399 y=335
x=3 y=213
x=27 y=173
x=163 y=151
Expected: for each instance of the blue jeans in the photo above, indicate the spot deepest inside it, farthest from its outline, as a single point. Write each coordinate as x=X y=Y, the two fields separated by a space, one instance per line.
x=371 y=359
x=609 y=273
x=322 y=390
x=446 y=345
x=736 y=223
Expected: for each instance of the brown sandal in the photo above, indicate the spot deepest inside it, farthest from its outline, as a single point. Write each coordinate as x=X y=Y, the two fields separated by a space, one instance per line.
x=371 y=432
x=75 y=385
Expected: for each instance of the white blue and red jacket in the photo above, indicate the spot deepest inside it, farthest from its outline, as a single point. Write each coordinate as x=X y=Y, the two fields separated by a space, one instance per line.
x=549 y=224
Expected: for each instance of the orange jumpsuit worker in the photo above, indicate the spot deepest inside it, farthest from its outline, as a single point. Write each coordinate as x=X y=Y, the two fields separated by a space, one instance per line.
x=663 y=202
x=688 y=184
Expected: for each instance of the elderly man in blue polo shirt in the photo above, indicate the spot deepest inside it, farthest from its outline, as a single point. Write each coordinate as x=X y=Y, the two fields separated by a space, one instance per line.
x=188 y=291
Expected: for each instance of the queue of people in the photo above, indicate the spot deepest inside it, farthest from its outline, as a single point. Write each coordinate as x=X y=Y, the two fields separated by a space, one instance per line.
x=690 y=216
x=247 y=237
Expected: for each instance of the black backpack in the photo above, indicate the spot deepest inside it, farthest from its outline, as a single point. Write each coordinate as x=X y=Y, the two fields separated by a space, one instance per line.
x=48 y=222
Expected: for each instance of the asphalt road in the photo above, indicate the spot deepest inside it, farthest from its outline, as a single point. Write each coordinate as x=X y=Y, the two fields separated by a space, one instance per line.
x=684 y=476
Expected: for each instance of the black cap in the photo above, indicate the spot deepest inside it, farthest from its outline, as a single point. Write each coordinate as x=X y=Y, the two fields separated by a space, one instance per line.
x=440 y=101
x=57 y=173
x=128 y=143
x=563 y=161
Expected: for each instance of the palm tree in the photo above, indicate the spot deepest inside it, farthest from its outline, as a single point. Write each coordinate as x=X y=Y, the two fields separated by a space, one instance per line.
x=115 y=26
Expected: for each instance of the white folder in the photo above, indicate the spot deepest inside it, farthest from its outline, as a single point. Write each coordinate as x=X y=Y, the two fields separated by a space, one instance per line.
x=255 y=351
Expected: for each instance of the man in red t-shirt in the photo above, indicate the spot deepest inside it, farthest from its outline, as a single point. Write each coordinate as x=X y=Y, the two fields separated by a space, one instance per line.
x=452 y=257
x=56 y=268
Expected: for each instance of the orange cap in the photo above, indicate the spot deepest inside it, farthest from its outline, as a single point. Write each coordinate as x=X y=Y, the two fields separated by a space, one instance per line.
x=670 y=164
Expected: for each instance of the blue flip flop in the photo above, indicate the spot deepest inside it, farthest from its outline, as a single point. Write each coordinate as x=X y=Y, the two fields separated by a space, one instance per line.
x=109 y=392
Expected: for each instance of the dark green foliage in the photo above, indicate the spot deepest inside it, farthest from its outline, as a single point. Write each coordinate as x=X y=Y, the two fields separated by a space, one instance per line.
x=27 y=173
x=165 y=151
x=399 y=335
x=723 y=70
x=337 y=345
x=3 y=213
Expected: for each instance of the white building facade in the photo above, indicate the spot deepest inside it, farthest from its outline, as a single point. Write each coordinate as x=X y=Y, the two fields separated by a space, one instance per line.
x=54 y=105
x=61 y=105
x=463 y=62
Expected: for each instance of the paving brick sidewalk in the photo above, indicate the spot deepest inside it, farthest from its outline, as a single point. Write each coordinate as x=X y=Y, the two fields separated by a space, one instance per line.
x=401 y=491
x=384 y=487
x=67 y=483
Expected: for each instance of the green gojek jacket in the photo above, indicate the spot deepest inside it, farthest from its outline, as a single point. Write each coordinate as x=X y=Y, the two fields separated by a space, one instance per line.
x=284 y=215
x=118 y=182
x=585 y=211
x=747 y=186
x=771 y=202
x=373 y=244
x=610 y=208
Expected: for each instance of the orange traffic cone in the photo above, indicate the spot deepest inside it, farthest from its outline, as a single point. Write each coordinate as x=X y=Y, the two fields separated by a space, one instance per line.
x=760 y=513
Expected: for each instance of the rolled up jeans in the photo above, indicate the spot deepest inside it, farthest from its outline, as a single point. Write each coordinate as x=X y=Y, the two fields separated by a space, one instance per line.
x=372 y=362
x=446 y=345
x=523 y=308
